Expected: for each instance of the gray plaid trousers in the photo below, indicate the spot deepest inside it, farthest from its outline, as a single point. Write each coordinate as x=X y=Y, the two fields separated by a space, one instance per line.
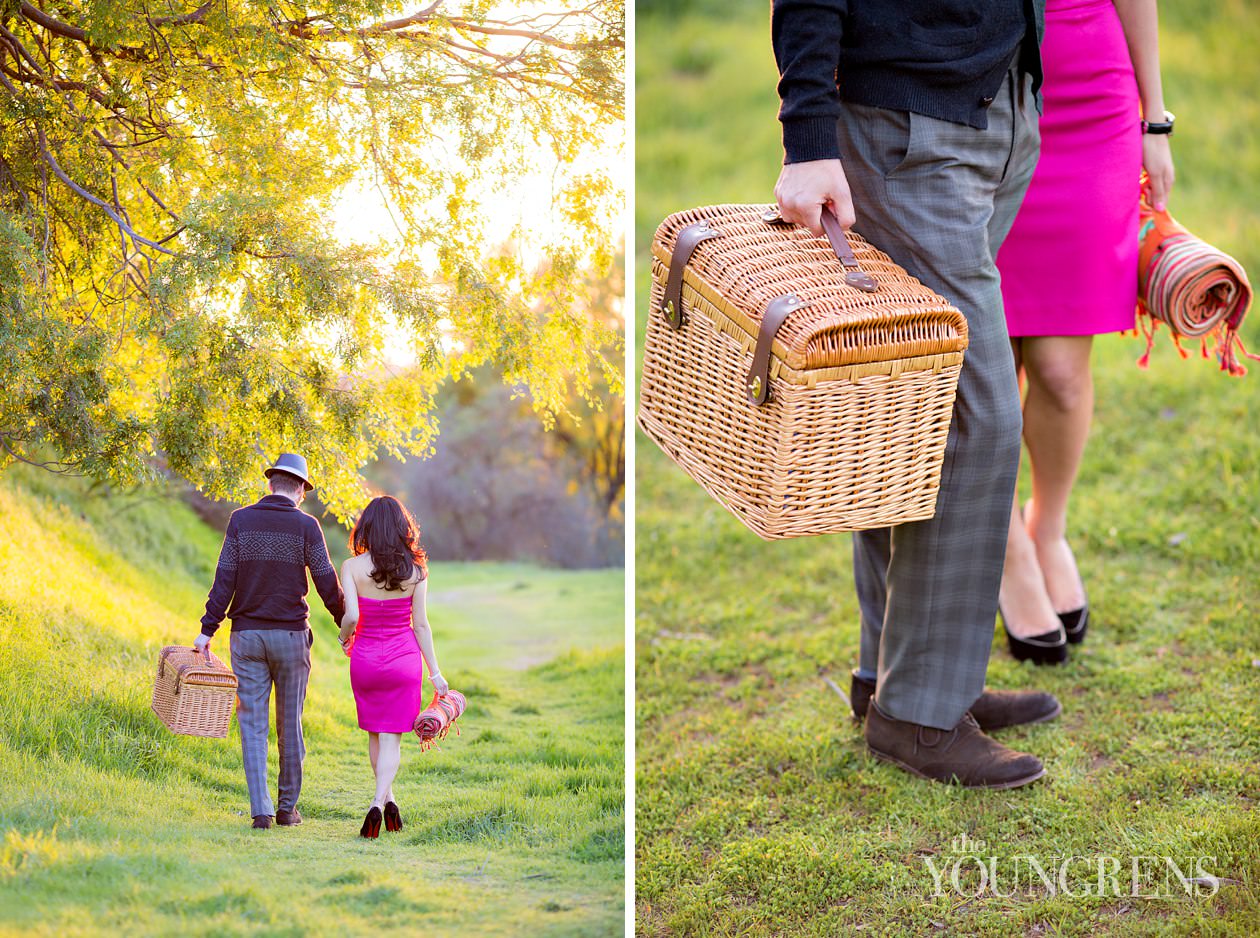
x=940 y=198
x=261 y=658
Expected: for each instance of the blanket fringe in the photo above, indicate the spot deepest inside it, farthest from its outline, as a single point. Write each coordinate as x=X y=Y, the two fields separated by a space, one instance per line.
x=1228 y=357
x=1226 y=344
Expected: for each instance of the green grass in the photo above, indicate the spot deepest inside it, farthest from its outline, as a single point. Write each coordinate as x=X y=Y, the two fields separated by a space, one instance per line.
x=758 y=811
x=111 y=825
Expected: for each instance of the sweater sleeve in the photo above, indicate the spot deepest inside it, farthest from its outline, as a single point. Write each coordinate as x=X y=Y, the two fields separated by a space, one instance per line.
x=323 y=574
x=224 y=586
x=806 y=37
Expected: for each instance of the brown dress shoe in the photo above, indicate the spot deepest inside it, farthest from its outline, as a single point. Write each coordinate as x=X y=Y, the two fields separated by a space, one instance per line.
x=959 y=756
x=262 y=822
x=289 y=818
x=993 y=709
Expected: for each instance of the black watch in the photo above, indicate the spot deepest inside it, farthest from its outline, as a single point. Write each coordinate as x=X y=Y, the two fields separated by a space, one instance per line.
x=1159 y=127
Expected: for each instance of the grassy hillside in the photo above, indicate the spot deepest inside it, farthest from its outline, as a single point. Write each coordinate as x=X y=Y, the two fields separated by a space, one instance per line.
x=111 y=825
x=758 y=811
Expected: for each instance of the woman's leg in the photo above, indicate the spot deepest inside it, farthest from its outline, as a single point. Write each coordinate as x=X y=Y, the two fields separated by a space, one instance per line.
x=388 y=757
x=1025 y=605
x=374 y=749
x=1057 y=412
x=1022 y=598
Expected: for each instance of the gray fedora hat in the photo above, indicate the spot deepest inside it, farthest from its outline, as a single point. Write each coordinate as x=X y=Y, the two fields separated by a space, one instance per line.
x=291 y=464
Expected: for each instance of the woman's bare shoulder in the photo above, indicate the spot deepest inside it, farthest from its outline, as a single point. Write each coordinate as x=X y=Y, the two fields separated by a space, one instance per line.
x=359 y=567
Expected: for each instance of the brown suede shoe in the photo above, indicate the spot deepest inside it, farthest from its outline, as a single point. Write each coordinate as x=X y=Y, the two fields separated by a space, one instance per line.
x=289 y=818
x=961 y=756
x=993 y=709
x=262 y=822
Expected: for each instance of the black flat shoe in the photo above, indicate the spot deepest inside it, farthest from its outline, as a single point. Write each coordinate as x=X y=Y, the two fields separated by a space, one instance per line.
x=371 y=824
x=393 y=820
x=1047 y=648
x=1075 y=623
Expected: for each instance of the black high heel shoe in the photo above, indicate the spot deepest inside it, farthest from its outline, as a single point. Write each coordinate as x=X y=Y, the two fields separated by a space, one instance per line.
x=1047 y=648
x=1075 y=623
x=371 y=824
x=393 y=820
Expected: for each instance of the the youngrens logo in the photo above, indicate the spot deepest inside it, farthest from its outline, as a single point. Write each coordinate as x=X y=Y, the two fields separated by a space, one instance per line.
x=970 y=871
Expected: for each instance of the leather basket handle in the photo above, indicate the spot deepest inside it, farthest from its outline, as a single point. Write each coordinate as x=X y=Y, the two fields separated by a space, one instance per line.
x=757 y=384
x=688 y=239
x=854 y=275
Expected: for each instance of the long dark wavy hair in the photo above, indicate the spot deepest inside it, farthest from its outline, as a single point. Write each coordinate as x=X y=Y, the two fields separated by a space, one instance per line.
x=387 y=531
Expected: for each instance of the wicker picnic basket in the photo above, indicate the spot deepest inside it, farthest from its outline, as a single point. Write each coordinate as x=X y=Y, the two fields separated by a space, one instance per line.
x=806 y=384
x=193 y=693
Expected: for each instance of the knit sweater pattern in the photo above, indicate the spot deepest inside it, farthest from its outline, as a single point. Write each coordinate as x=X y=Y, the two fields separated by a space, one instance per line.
x=260 y=581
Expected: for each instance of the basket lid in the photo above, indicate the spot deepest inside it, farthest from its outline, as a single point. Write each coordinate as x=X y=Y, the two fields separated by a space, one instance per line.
x=194 y=668
x=753 y=261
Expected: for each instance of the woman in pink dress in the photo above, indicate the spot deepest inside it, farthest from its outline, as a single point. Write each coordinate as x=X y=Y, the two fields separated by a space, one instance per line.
x=386 y=633
x=1069 y=272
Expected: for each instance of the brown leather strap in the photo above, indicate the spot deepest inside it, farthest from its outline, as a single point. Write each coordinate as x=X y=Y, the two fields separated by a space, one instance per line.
x=758 y=384
x=854 y=275
x=684 y=247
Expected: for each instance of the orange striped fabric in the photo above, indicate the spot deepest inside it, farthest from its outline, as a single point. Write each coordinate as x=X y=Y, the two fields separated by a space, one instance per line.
x=435 y=721
x=1199 y=292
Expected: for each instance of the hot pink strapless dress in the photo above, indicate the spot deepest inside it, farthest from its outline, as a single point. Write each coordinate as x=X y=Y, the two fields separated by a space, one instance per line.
x=386 y=667
x=1069 y=264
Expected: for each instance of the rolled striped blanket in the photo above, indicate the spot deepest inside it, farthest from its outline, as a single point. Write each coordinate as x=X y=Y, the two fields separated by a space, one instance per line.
x=436 y=720
x=1198 y=291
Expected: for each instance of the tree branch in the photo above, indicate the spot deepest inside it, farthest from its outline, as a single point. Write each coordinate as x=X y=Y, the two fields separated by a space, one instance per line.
x=301 y=29
x=61 y=468
x=535 y=36
x=36 y=15
x=65 y=30
x=186 y=19
x=60 y=173
x=109 y=147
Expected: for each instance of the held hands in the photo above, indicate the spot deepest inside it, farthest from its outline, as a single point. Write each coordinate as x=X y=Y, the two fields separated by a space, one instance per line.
x=803 y=188
x=346 y=641
x=1158 y=163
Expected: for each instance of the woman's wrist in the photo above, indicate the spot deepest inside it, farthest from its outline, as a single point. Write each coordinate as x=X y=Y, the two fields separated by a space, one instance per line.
x=1160 y=127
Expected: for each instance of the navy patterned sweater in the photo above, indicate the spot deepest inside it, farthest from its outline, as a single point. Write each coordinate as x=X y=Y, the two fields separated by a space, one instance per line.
x=942 y=58
x=260 y=582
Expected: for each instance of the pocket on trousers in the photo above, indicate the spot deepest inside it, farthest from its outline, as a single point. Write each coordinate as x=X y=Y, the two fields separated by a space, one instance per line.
x=881 y=137
x=243 y=644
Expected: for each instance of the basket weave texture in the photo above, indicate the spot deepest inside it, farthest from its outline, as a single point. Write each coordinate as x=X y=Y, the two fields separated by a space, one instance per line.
x=193 y=694
x=861 y=384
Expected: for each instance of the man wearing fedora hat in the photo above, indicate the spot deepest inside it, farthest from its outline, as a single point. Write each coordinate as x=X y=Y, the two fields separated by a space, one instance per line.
x=260 y=584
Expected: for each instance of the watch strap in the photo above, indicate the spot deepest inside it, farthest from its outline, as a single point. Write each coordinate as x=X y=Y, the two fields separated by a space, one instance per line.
x=1159 y=127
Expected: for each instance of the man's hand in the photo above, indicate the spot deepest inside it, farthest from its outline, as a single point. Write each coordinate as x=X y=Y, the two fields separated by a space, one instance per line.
x=201 y=644
x=803 y=189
